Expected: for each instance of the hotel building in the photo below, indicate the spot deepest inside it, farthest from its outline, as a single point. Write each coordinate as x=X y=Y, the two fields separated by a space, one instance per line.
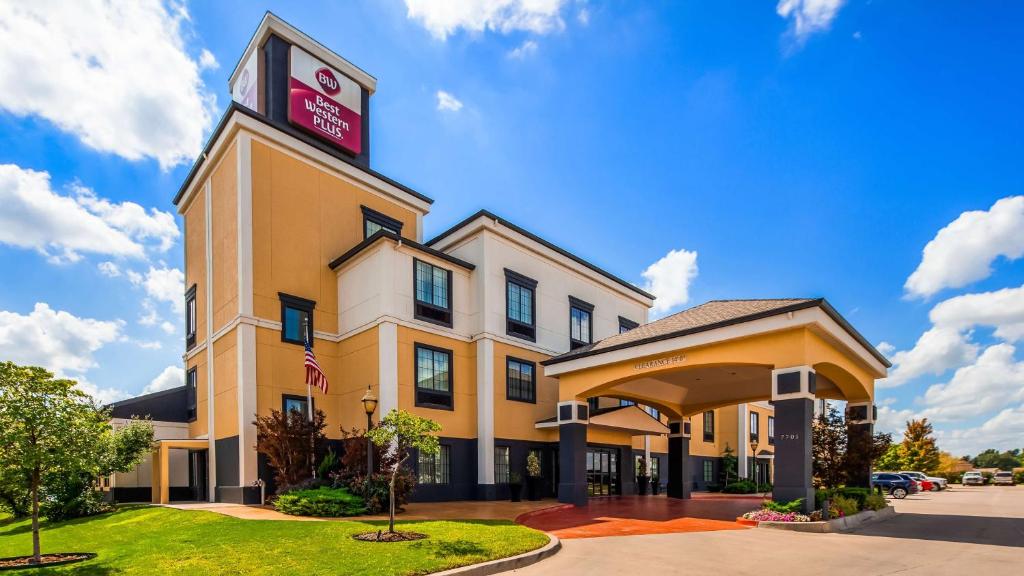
x=481 y=328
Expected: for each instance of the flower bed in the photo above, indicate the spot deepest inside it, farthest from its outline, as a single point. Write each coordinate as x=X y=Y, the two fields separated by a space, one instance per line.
x=763 y=515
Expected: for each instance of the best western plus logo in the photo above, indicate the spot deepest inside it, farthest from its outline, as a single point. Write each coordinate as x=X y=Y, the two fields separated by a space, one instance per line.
x=327 y=81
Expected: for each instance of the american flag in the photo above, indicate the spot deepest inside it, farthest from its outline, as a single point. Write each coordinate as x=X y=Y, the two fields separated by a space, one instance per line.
x=314 y=375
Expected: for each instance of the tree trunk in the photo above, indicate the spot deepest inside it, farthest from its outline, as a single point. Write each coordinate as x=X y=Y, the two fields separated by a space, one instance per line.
x=391 y=521
x=36 y=559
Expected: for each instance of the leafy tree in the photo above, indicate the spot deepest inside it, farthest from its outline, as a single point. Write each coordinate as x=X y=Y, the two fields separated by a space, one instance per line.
x=401 y=431
x=828 y=448
x=918 y=451
x=862 y=449
x=891 y=460
x=729 y=465
x=47 y=425
x=290 y=442
x=993 y=458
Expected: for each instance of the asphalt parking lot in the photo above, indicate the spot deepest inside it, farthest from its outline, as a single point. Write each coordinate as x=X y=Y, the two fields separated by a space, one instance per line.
x=977 y=530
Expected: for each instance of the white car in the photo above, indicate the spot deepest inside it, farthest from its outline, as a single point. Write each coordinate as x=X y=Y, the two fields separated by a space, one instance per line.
x=973 y=478
x=937 y=483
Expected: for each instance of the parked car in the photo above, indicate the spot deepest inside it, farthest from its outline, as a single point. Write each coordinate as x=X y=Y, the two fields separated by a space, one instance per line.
x=897 y=485
x=973 y=479
x=936 y=482
x=1004 y=478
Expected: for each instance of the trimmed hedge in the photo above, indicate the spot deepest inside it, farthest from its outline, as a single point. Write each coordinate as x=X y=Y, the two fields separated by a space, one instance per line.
x=741 y=487
x=323 y=501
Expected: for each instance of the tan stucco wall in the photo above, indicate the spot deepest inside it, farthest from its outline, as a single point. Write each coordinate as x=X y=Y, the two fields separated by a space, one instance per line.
x=195 y=260
x=199 y=427
x=224 y=220
x=516 y=420
x=225 y=385
x=303 y=218
x=460 y=422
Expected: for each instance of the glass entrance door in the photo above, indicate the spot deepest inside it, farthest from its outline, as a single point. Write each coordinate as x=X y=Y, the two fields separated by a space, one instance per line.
x=602 y=471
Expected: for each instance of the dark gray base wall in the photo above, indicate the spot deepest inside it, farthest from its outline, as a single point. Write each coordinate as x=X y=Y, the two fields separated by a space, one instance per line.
x=462 y=473
x=519 y=451
x=238 y=494
x=227 y=461
x=145 y=494
x=697 y=471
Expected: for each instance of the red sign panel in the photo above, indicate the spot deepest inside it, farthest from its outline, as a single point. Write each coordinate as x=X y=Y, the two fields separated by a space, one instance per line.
x=324 y=102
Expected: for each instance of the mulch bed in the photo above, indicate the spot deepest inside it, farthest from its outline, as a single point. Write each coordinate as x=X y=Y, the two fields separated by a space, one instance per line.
x=381 y=536
x=20 y=562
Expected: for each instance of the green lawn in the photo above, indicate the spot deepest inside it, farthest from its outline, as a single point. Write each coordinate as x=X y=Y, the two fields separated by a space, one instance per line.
x=153 y=540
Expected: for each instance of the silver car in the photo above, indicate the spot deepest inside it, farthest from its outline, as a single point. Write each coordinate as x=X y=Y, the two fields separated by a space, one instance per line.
x=973 y=479
x=1004 y=478
x=937 y=483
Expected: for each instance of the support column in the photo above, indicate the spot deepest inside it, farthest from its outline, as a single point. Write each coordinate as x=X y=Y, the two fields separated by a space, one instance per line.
x=793 y=396
x=679 y=473
x=486 y=489
x=860 y=424
x=573 y=417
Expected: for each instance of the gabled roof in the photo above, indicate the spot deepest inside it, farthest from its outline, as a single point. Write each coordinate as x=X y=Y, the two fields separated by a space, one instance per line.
x=708 y=316
x=382 y=233
x=541 y=241
x=164 y=406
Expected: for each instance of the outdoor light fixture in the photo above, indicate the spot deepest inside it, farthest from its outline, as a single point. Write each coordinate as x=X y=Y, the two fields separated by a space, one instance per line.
x=369 y=404
x=753 y=450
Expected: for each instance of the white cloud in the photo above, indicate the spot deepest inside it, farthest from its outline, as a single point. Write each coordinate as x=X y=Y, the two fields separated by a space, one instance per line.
x=60 y=228
x=116 y=75
x=893 y=420
x=992 y=382
x=171 y=377
x=1002 y=432
x=60 y=342
x=168 y=327
x=163 y=284
x=109 y=269
x=669 y=279
x=446 y=17
x=808 y=16
x=527 y=48
x=963 y=251
x=207 y=61
x=937 y=351
x=885 y=348
x=63 y=227
x=583 y=16
x=447 y=102
x=1001 y=309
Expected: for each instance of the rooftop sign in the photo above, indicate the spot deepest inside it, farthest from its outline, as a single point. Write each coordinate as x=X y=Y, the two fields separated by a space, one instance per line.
x=324 y=102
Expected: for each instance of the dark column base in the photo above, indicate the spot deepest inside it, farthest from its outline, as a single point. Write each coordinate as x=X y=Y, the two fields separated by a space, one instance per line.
x=486 y=492
x=793 y=469
x=679 y=473
x=572 y=463
x=238 y=494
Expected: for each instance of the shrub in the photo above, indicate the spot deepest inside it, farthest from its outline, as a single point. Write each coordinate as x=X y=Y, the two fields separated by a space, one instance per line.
x=533 y=465
x=951 y=477
x=714 y=487
x=847 y=506
x=67 y=496
x=374 y=490
x=290 y=441
x=875 y=502
x=323 y=501
x=741 y=487
x=1018 y=477
x=328 y=464
x=792 y=506
x=820 y=495
x=854 y=493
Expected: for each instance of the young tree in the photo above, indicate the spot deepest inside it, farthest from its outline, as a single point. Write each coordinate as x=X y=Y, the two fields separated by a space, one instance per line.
x=891 y=460
x=401 y=431
x=291 y=442
x=828 y=448
x=861 y=450
x=918 y=450
x=993 y=458
x=46 y=425
x=729 y=464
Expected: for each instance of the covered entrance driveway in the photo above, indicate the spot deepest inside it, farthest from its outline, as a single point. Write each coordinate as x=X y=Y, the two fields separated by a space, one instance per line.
x=636 y=515
x=724 y=352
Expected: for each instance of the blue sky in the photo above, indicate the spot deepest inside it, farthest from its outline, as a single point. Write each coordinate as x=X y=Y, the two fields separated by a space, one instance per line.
x=740 y=149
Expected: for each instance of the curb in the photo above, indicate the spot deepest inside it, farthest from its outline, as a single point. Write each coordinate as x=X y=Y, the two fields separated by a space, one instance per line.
x=506 y=564
x=835 y=525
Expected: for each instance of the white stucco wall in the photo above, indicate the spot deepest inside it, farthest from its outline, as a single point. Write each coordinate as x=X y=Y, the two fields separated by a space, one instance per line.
x=143 y=473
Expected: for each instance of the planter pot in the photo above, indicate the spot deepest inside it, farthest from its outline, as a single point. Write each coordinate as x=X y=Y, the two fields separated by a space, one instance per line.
x=641 y=484
x=655 y=486
x=515 y=492
x=533 y=488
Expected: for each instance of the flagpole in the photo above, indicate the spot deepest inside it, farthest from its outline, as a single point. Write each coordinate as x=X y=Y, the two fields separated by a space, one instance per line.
x=309 y=401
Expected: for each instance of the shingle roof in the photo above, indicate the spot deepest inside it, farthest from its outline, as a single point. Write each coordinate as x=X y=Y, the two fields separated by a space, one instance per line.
x=707 y=316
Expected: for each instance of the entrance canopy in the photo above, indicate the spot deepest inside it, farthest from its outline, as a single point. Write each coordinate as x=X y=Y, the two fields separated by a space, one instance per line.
x=721 y=353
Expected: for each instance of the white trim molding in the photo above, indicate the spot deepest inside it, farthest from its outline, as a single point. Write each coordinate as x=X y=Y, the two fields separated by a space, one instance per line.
x=575 y=414
x=211 y=472
x=869 y=410
x=485 y=411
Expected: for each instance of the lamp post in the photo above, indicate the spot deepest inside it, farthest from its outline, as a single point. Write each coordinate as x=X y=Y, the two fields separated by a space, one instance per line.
x=369 y=404
x=753 y=450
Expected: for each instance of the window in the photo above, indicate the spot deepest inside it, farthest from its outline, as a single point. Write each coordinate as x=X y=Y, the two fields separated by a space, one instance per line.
x=593 y=403
x=709 y=471
x=291 y=402
x=709 y=426
x=433 y=377
x=433 y=287
x=501 y=464
x=295 y=313
x=191 y=383
x=374 y=222
x=190 y=317
x=654 y=471
x=626 y=402
x=653 y=412
x=771 y=429
x=521 y=380
x=435 y=468
x=754 y=421
x=625 y=324
x=581 y=330
x=521 y=309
